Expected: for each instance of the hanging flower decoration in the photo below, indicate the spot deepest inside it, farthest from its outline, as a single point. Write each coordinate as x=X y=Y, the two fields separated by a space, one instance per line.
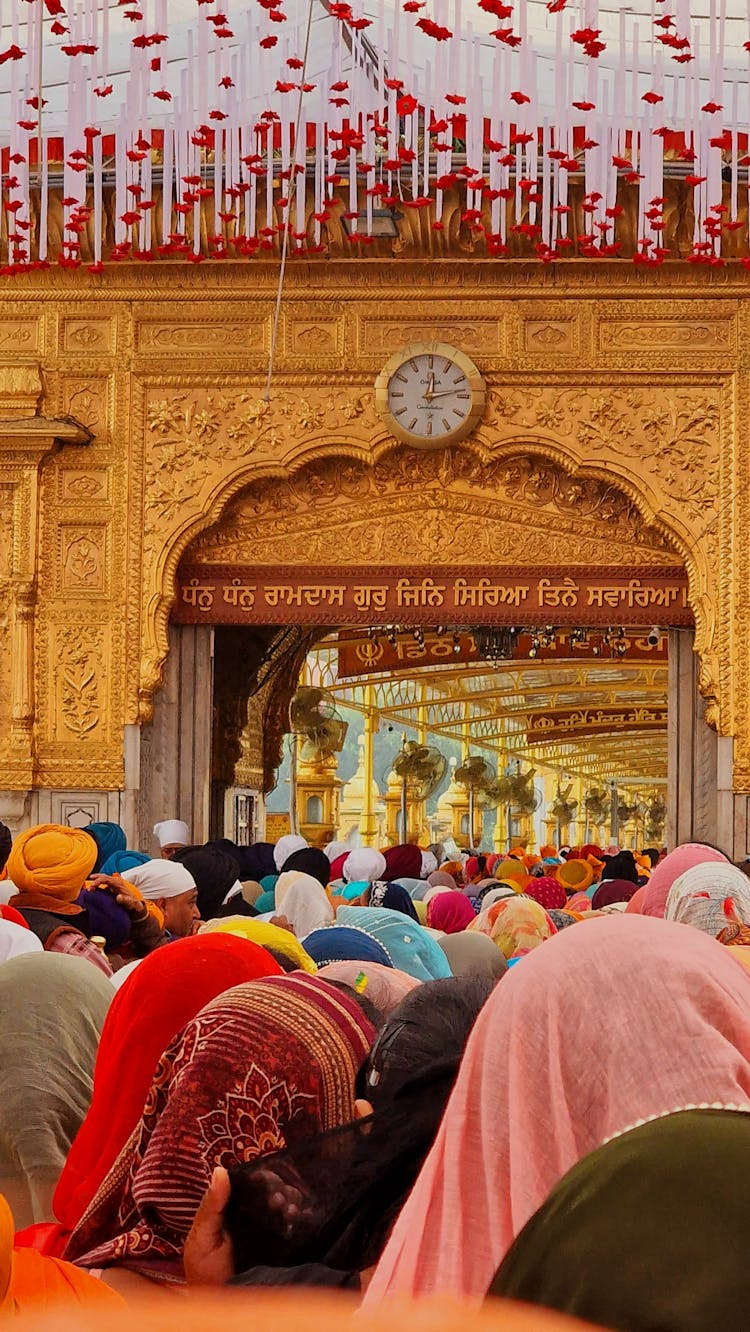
x=249 y=136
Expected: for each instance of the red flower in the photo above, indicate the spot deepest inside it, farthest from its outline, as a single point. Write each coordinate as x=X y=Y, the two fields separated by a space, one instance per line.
x=406 y=105
x=434 y=30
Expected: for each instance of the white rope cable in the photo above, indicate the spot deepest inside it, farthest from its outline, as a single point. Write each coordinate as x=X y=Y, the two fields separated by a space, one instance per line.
x=288 y=220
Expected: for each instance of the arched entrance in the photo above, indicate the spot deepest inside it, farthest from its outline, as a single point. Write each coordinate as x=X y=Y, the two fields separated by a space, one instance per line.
x=446 y=537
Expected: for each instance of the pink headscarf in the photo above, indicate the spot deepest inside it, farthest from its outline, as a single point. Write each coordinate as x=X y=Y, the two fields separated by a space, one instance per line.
x=440 y=879
x=450 y=912
x=527 y=1104
x=386 y=986
x=578 y=902
x=547 y=892
x=671 y=867
x=635 y=905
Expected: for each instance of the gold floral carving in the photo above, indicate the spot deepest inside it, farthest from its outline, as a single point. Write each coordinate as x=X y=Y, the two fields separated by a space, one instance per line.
x=79 y=684
x=83 y=559
x=515 y=511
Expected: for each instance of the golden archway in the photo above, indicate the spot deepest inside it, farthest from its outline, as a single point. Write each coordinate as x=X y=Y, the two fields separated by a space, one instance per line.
x=657 y=445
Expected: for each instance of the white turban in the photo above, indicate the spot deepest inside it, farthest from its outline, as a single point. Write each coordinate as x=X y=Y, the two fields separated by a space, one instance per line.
x=336 y=849
x=364 y=865
x=172 y=832
x=286 y=847
x=160 y=878
x=429 y=864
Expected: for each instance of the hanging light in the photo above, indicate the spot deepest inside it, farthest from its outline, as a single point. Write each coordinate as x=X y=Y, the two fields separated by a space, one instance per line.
x=496 y=643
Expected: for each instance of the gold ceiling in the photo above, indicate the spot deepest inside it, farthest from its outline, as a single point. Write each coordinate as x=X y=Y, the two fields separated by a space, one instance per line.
x=598 y=719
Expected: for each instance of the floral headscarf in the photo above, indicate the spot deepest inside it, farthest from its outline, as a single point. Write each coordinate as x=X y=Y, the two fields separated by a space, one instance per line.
x=263 y=1057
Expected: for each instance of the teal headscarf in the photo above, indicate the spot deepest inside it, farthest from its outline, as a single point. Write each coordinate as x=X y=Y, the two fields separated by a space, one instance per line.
x=410 y=947
x=351 y=891
x=122 y=860
x=109 y=838
x=265 y=903
x=268 y=882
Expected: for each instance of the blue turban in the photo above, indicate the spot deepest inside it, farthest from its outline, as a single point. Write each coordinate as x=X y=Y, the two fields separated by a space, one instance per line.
x=340 y=943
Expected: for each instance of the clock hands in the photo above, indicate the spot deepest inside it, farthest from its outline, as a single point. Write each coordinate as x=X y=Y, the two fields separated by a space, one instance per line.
x=442 y=393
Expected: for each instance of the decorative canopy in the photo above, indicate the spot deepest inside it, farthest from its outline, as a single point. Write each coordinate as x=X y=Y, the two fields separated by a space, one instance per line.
x=226 y=128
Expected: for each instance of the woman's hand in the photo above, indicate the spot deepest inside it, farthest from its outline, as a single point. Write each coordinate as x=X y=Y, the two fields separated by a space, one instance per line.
x=208 y=1256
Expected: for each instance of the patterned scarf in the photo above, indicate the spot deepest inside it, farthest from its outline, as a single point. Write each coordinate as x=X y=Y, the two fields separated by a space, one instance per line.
x=264 y=1057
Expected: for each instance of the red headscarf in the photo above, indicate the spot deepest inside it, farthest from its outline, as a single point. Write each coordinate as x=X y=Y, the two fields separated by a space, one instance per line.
x=450 y=912
x=10 y=913
x=548 y=892
x=164 y=993
x=280 y=1051
x=403 y=862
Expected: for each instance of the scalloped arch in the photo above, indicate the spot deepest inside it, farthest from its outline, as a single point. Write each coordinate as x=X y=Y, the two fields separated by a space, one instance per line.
x=159 y=591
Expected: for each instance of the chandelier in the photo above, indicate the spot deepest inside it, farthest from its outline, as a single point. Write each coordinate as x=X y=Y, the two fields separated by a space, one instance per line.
x=496 y=643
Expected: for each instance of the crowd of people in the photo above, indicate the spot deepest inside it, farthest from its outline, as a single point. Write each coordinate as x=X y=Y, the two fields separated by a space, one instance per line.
x=409 y=1072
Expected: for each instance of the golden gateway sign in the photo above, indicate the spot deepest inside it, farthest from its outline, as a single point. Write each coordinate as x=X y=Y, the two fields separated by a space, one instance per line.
x=222 y=594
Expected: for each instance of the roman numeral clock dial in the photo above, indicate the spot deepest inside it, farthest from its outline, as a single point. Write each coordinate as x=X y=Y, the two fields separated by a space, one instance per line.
x=430 y=395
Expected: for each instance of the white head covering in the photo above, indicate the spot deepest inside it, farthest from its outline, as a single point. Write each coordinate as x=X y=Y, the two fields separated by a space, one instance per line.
x=303 y=901
x=160 y=878
x=435 y=892
x=15 y=941
x=286 y=847
x=172 y=832
x=119 y=978
x=364 y=865
x=7 y=890
x=429 y=863
x=699 y=897
x=336 y=849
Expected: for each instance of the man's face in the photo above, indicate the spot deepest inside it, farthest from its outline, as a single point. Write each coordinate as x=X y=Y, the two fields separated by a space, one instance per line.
x=181 y=914
x=168 y=851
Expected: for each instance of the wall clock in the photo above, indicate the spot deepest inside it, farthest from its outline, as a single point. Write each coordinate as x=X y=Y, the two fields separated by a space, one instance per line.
x=430 y=394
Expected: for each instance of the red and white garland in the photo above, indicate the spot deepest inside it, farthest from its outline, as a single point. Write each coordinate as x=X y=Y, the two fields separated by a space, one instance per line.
x=282 y=111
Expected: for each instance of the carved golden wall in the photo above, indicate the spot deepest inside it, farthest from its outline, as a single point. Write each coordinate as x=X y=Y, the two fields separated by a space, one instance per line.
x=597 y=373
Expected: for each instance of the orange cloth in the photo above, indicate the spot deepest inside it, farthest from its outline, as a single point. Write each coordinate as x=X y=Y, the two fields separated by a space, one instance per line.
x=29 y=1281
x=310 y=1311
x=49 y=865
x=575 y=875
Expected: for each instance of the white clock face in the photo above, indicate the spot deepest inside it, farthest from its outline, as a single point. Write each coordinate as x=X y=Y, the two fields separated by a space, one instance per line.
x=429 y=395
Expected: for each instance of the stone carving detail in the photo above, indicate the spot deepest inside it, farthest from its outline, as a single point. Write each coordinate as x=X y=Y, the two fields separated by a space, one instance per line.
x=222 y=338
x=87 y=403
x=322 y=338
x=87 y=335
x=79 y=662
x=543 y=336
x=704 y=337
x=19 y=335
x=91 y=485
x=517 y=510
x=192 y=435
x=485 y=335
x=673 y=440
x=83 y=560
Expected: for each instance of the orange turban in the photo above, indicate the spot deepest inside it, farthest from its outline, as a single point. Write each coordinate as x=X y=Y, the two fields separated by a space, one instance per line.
x=510 y=869
x=51 y=862
x=575 y=875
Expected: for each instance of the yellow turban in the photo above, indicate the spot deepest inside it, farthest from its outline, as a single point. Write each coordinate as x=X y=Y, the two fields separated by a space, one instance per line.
x=266 y=935
x=510 y=869
x=575 y=875
x=52 y=861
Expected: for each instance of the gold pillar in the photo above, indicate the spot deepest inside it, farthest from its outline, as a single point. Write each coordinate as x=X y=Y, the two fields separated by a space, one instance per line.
x=368 y=824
